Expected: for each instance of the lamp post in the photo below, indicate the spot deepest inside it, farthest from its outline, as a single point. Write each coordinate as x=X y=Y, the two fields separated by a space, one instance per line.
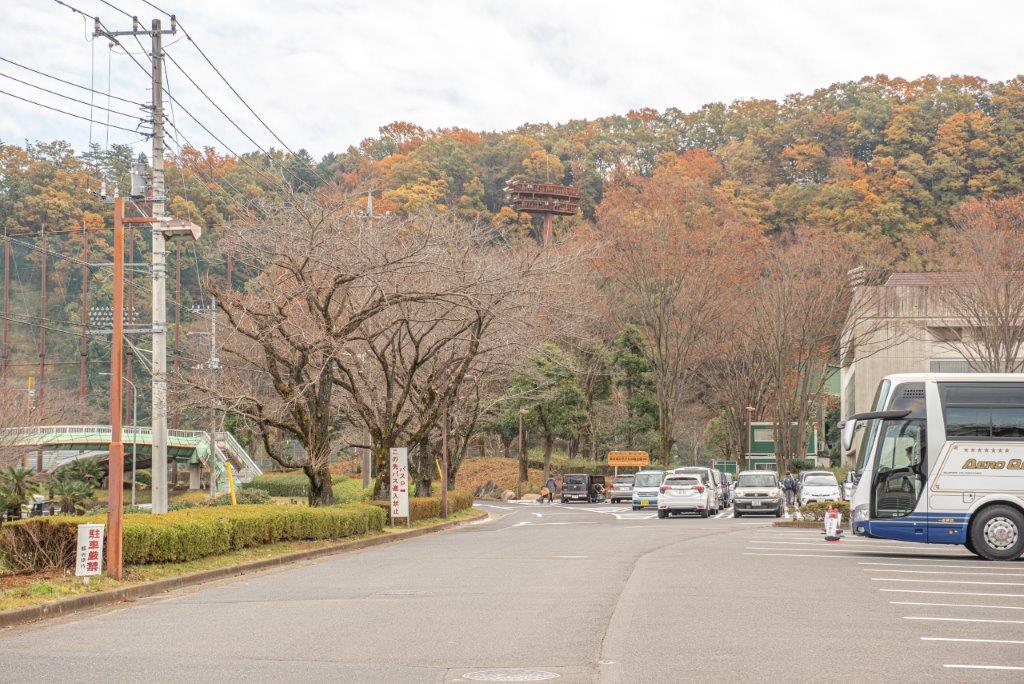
x=135 y=429
x=750 y=432
x=523 y=470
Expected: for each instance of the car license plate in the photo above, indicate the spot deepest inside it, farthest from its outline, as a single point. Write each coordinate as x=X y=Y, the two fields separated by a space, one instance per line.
x=755 y=503
x=645 y=502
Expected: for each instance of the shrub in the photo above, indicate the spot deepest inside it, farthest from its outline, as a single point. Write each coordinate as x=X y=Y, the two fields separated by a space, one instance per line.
x=423 y=507
x=817 y=510
x=49 y=543
x=346 y=490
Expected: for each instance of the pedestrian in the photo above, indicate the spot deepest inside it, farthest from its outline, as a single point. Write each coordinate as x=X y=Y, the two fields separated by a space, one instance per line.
x=550 y=485
x=789 y=485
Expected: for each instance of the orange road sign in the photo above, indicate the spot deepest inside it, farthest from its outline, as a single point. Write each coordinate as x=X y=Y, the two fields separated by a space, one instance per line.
x=634 y=459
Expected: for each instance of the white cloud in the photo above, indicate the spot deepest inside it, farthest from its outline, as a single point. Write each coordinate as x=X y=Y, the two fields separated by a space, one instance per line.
x=326 y=73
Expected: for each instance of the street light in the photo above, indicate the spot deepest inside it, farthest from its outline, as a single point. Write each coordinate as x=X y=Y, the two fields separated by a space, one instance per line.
x=750 y=433
x=135 y=429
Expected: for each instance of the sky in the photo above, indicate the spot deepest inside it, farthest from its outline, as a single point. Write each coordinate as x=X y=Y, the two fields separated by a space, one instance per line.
x=324 y=74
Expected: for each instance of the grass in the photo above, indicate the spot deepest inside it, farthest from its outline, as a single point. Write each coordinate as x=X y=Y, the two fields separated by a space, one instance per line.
x=19 y=591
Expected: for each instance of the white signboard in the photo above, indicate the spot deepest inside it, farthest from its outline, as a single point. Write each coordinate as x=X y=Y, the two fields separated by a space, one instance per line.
x=399 y=483
x=89 y=550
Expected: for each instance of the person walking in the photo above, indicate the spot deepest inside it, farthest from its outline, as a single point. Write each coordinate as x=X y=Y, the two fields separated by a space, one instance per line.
x=789 y=486
x=551 y=485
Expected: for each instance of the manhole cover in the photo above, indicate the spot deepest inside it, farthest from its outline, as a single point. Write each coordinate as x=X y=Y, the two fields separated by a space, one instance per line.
x=510 y=675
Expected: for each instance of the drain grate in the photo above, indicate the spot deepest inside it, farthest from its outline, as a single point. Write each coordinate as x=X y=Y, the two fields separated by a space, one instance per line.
x=510 y=675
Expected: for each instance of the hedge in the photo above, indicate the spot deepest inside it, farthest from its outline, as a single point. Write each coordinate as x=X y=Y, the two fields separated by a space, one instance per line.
x=817 y=510
x=346 y=490
x=424 y=507
x=186 y=535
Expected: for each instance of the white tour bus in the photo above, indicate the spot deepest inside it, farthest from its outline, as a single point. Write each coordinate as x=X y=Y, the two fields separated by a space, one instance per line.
x=941 y=461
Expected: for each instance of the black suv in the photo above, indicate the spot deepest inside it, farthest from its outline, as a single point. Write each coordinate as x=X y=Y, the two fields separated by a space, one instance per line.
x=580 y=487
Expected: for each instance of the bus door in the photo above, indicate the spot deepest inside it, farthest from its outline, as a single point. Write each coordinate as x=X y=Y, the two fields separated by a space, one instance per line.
x=898 y=509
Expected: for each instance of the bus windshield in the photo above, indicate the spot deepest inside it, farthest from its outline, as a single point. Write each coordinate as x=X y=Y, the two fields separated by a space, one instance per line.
x=867 y=441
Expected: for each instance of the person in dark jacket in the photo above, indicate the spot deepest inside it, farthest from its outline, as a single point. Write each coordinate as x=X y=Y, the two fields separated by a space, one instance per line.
x=551 y=486
x=789 y=486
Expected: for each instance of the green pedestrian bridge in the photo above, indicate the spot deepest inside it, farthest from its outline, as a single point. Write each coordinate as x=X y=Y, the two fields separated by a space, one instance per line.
x=59 y=444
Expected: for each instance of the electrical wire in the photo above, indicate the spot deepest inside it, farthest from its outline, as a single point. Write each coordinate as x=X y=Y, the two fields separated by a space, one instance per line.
x=70 y=83
x=75 y=99
x=61 y=111
x=118 y=9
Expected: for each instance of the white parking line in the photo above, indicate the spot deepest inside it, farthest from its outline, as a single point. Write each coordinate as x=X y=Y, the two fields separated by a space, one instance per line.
x=948 y=572
x=833 y=549
x=932 y=581
x=955 y=605
x=985 y=667
x=974 y=641
x=949 y=619
x=797 y=555
x=913 y=547
x=724 y=514
x=917 y=564
x=950 y=593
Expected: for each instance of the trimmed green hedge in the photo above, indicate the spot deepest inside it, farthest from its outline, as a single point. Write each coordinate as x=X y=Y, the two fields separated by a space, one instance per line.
x=49 y=543
x=346 y=490
x=423 y=507
x=817 y=510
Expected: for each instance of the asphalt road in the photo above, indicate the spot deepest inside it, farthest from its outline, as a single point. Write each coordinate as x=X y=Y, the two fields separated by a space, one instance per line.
x=584 y=592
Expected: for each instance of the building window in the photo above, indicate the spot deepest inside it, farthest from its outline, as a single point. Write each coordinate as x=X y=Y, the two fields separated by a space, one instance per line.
x=764 y=434
x=950 y=366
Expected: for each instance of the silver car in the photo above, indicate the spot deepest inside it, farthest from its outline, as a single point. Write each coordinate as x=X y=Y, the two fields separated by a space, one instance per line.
x=622 y=488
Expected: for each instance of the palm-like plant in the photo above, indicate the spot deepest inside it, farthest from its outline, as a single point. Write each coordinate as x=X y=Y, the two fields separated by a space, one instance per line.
x=18 y=485
x=73 y=496
x=84 y=469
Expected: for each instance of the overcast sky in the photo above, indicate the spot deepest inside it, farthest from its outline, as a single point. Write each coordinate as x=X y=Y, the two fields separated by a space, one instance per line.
x=326 y=73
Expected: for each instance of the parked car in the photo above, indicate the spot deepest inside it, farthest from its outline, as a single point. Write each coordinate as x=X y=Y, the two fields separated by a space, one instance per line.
x=806 y=474
x=684 y=494
x=819 y=487
x=582 y=487
x=849 y=485
x=646 y=484
x=709 y=478
x=622 y=488
x=758 y=491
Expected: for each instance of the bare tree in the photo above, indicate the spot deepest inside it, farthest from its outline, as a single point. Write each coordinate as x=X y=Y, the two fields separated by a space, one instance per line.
x=981 y=286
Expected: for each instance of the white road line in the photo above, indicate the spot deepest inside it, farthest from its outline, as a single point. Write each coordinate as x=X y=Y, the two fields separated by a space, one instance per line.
x=984 y=667
x=724 y=514
x=932 y=581
x=539 y=515
x=949 y=619
x=916 y=564
x=950 y=593
x=955 y=605
x=974 y=641
x=914 y=547
x=839 y=551
x=948 y=572
x=797 y=555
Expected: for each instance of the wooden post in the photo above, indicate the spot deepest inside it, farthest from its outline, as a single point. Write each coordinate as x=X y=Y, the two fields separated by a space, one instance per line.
x=115 y=465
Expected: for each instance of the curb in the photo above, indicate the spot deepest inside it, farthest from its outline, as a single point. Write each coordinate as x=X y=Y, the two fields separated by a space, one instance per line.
x=20 y=616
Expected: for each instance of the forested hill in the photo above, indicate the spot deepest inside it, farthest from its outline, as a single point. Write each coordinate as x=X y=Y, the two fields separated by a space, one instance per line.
x=878 y=157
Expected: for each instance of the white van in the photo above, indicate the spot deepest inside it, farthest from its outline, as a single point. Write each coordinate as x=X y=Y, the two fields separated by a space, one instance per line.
x=941 y=461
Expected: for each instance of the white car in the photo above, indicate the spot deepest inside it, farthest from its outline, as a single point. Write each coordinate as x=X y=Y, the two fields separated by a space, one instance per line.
x=684 y=494
x=820 y=487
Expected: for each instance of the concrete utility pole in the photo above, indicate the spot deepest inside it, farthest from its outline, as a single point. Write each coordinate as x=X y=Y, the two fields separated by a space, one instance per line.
x=214 y=368
x=159 y=392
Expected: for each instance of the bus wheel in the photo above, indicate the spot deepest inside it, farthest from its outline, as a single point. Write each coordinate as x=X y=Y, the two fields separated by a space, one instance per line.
x=997 y=533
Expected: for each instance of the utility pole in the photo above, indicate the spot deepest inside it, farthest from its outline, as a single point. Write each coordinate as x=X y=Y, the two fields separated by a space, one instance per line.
x=159 y=316
x=115 y=460
x=214 y=365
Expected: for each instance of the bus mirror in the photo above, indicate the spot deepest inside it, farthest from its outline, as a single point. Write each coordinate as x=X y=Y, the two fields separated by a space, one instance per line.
x=849 y=428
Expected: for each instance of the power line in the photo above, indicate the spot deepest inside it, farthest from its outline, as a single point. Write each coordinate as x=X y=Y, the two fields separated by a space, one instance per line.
x=115 y=7
x=73 y=99
x=70 y=83
x=77 y=116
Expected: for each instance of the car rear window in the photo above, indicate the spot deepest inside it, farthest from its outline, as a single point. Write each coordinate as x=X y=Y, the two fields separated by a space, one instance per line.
x=624 y=479
x=648 y=479
x=573 y=479
x=756 y=480
x=702 y=474
x=682 y=481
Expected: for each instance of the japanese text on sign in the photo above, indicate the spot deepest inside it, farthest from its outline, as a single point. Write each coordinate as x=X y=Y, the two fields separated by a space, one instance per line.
x=89 y=550
x=399 y=485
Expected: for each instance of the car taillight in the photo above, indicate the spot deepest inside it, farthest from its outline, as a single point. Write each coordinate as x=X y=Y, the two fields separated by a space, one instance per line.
x=699 y=488
x=664 y=488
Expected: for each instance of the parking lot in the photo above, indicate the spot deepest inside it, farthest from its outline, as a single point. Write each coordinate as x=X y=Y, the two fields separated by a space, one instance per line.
x=587 y=592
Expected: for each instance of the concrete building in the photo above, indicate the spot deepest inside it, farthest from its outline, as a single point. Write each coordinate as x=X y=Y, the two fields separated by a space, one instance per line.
x=898 y=326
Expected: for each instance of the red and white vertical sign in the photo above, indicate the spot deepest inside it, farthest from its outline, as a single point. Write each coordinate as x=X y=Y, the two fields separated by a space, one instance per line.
x=399 y=483
x=89 y=550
